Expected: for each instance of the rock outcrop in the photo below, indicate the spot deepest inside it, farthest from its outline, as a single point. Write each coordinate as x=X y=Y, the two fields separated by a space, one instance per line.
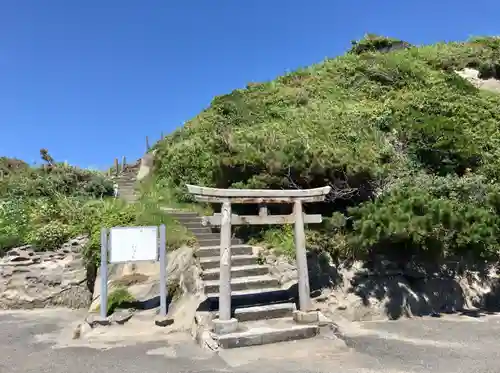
x=473 y=76
x=31 y=279
x=356 y=293
x=359 y=294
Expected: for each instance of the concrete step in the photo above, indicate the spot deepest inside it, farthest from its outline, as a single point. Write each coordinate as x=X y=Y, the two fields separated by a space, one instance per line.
x=194 y=224
x=216 y=241
x=126 y=182
x=127 y=176
x=248 y=293
x=244 y=283
x=252 y=298
x=253 y=333
x=187 y=218
x=236 y=261
x=184 y=214
x=200 y=231
x=242 y=271
x=206 y=235
x=213 y=251
x=127 y=195
x=270 y=311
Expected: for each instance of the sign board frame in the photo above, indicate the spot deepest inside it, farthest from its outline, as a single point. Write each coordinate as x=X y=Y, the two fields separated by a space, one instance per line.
x=161 y=257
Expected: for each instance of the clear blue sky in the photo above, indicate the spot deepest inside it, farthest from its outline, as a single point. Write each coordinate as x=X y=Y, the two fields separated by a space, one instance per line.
x=89 y=79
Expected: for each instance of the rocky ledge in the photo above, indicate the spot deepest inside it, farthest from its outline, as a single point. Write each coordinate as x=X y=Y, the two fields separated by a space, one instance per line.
x=388 y=291
x=33 y=279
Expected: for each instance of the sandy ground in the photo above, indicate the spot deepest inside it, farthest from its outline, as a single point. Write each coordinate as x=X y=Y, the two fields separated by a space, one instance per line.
x=41 y=341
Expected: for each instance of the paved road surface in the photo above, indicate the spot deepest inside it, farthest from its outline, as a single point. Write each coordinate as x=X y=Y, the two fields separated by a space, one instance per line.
x=40 y=341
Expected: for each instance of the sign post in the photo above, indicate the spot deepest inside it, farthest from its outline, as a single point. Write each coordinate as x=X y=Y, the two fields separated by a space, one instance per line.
x=104 y=273
x=163 y=273
x=133 y=244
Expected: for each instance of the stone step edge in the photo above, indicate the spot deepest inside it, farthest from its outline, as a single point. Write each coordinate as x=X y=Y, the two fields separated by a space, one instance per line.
x=210 y=242
x=237 y=246
x=176 y=211
x=242 y=280
x=211 y=259
x=248 y=292
x=256 y=310
x=268 y=307
x=262 y=336
x=235 y=268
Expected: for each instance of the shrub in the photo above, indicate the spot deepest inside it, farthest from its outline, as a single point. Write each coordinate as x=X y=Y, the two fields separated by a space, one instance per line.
x=281 y=240
x=68 y=181
x=13 y=224
x=49 y=236
x=104 y=214
x=437 y=219
x=376 y=43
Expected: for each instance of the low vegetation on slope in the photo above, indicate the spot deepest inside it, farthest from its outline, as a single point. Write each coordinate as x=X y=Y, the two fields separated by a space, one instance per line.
x=47 y=205
x=410 y=148
x=44 y=205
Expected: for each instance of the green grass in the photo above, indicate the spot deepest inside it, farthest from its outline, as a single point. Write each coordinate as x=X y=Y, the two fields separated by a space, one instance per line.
x=153 y=190
x=279 y=239
x=119 y=297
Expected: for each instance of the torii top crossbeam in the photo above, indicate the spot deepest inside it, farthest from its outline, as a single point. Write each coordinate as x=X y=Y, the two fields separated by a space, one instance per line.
x=216 y=195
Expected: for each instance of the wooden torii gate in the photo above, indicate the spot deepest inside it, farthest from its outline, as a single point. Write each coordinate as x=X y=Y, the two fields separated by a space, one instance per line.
x=226 y=219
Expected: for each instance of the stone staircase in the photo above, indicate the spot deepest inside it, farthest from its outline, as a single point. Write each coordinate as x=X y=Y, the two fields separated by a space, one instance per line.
x=126 y=181
x=264 y=310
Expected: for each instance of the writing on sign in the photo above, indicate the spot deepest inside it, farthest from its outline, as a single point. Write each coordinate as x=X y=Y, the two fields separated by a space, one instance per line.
x=133 y=244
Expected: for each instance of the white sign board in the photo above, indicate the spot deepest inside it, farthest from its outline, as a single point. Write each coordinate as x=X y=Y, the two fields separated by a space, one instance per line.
x=133 y=244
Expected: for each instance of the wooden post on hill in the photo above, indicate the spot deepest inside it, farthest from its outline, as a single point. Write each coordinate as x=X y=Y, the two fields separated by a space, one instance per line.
x=147 y=143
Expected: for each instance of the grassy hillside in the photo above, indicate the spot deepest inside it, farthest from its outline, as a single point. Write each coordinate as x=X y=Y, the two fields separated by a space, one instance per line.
x=409 y=147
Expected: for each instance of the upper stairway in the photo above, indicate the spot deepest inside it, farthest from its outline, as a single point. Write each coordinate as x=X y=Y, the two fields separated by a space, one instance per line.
x=127 y=182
